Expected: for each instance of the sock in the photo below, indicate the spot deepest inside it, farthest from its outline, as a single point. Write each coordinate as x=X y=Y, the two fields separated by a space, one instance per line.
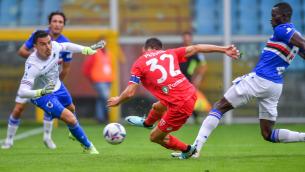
x=207 y=126
x=152 y=117
x=175 y=144
x=77 y=131
x=286 y=136
x=47 y=128
x=12 y=127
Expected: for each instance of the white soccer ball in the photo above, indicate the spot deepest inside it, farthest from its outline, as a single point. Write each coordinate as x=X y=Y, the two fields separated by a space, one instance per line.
x=114 y=133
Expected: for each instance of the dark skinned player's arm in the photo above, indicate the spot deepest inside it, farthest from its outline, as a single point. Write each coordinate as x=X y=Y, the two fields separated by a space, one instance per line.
x=299 y=41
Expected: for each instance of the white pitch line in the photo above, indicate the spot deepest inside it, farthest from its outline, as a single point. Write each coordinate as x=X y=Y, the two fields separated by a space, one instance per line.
x=26 y=134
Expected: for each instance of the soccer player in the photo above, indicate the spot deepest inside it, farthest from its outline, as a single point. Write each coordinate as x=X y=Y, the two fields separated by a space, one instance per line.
x=57 y=22
x=265 y=82
x=41 y=84
x=158 y=70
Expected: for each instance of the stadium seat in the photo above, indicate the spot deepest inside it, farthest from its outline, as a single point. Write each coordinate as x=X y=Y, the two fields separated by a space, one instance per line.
x=297 y=12
x=29 y=15
x=207 y=19
x=248 y=18
x=8 y=13
x=47 y=7
x=265 y=16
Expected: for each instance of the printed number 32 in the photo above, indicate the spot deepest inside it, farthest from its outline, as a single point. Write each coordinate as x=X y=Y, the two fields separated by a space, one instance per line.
x=155 y=66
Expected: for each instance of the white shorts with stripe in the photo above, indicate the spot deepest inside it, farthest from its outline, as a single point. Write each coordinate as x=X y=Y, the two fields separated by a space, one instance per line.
x=252 y=86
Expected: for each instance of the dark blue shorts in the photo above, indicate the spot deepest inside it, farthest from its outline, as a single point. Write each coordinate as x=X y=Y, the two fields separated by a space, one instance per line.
x=53 y=104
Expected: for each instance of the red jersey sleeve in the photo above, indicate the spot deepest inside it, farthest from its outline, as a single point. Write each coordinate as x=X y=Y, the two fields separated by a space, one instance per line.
x=180 y=52
x=136 y=73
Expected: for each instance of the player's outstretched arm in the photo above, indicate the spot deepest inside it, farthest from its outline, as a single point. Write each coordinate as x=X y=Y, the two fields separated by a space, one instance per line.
x=230 y=50
x=75 y=48
x=129 y=92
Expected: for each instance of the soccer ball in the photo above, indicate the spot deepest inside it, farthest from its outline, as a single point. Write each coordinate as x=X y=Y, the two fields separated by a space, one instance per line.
x=114 y=133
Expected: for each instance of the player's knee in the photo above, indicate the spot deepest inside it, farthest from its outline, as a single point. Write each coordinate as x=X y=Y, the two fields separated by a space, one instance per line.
x=153 y=138
x=71 y=108
x=159 y=108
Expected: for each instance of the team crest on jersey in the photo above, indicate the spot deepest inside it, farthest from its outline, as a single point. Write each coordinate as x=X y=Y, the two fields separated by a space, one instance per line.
x=49 y=104
x=165 y=89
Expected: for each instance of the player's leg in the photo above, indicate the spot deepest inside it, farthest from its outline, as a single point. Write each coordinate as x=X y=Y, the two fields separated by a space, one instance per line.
x=155 y=114
x=236 y=95
x=13 y=122
x=47 y=131
x=268 y=115
x=77 y=131
x=173 y=120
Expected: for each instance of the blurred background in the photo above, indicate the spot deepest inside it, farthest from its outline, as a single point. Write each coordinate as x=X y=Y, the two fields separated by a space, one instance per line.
x=126 y=24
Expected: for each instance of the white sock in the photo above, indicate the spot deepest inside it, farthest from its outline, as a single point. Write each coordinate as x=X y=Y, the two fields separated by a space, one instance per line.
x=208 y=125
x=287 y=136
x=11 y=131
x=47 y=129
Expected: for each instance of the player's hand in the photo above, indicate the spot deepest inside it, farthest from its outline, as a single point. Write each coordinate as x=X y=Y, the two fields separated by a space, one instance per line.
x=113 y=101
x=48 y=89
x=88 y=51
x=232 y=51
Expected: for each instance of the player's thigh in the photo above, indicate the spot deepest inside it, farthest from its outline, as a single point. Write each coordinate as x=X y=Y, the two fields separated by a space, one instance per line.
x=239 y=94
x=50 y=104
x=176 y=116
x=268 y=105
x=63 y=96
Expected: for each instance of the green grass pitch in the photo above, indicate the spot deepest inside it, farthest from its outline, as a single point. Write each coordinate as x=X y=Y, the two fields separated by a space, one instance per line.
x=230 y=148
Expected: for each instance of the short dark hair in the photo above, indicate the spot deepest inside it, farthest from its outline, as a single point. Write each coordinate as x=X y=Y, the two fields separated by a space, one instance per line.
x=57 y=13
x=285 y=8
x=187 y=33
x=153 y=43
x=39 y=34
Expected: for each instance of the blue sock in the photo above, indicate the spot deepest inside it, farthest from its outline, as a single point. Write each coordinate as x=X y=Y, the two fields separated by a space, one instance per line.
x=216 y=113
x=79 y=134
x=274 y=137
x=13 y=121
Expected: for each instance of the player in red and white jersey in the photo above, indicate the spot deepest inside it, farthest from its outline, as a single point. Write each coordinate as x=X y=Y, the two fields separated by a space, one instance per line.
x=158 y=71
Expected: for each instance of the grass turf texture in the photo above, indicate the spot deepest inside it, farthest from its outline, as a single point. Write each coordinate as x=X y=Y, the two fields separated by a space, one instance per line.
x=230 y=148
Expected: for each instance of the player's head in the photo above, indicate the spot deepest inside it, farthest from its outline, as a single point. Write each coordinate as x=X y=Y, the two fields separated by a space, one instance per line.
x=42 y=43
x=281 y=13
x=57 y=21
x=152 y=44
x=187 y=38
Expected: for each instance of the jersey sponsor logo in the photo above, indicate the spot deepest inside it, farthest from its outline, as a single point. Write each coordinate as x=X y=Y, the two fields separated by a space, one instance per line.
x=175 y=84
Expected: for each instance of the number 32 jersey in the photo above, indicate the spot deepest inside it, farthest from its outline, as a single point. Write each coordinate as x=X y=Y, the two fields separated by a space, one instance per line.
x=159 y=72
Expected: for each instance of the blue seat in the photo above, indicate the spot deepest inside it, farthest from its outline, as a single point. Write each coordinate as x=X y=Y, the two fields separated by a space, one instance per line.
x=29 y=12
x=297 y=13
x=47 y=7
x=207 y=18
x=248 y=19
x=8 y=12
x=265 y=13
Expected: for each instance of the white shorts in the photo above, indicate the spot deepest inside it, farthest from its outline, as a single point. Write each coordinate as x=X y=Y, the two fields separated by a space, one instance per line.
x=252 y=86
x=21 y=100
